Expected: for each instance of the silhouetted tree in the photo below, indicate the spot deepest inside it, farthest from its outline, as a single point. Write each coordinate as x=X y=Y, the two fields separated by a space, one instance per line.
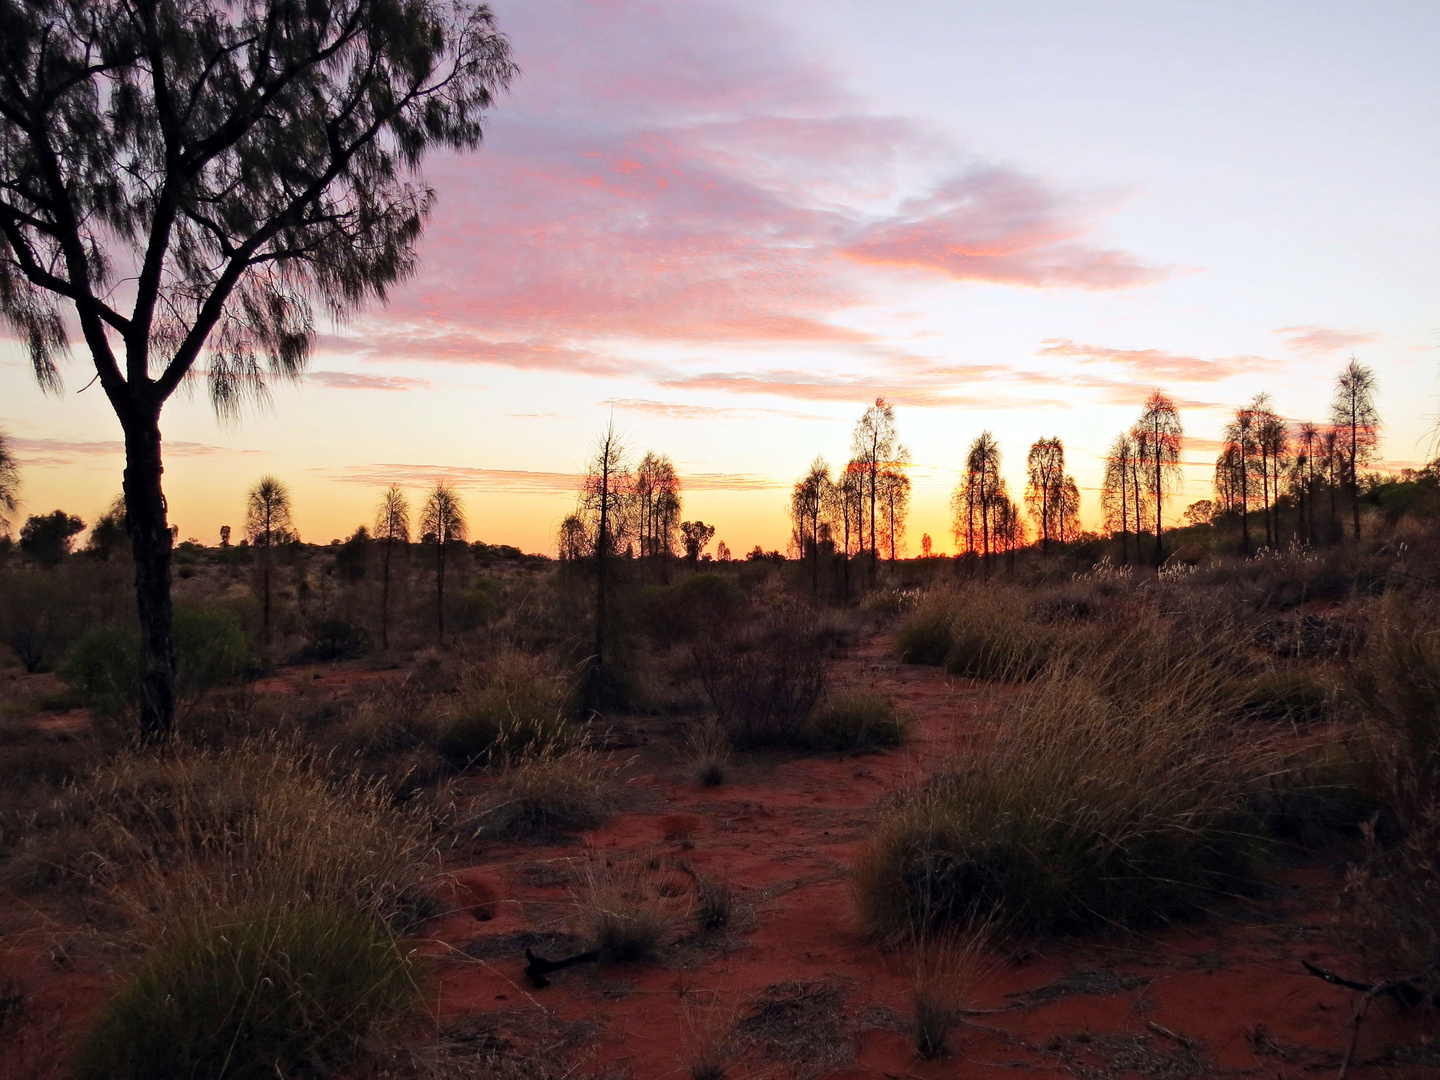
x=656 y=491
x=267 y=524
x=107 y=535
x=844 y=513
x=895 y=500
x=442 y=522
x=392 y=529
x=1119 y=493
x=926 y=545
x=694 y=535
x=47 y=538
x=1045 y=470
x=722 y=552
x=807 y=502
x=874 y=445
x=605 y=502
x=187 y=177
x=1272 y=440
x=574 y=544
x=1308 y=444
x=977 y=497
x=1008 y=527
x=9 y=483
x=1357 y=426
x=1159 y=436
x=1232 y=470
x=1200 y=512
x=224 y=536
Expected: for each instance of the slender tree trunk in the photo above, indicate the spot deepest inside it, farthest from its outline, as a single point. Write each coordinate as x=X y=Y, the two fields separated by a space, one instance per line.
x=440 y=586
x=1124 y=522
x=385 y=595
x=1159 y=503
x=1244 y=509
x=150 y=541
x=602 y=551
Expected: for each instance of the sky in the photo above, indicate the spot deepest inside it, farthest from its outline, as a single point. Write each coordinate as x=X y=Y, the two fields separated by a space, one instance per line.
x=730 y=226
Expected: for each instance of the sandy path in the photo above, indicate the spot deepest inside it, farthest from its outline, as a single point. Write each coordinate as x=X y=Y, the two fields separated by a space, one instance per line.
x=1224 y=997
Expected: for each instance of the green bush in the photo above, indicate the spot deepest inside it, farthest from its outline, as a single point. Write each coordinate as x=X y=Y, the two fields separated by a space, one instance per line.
x=103 y=663
x=850 y=723
x=264 y=995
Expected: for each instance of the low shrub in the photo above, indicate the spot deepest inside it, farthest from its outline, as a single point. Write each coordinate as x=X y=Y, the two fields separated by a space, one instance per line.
x=336 y=638
x=263 y=994
x=517 y=706
x=555 y=790
x=765 y=683
x=854 y=722
x=693 y=606
x=1084 y=811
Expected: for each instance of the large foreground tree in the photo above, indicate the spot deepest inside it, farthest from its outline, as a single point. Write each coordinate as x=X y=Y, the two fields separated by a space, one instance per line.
x=183 y=179
x=9 y=484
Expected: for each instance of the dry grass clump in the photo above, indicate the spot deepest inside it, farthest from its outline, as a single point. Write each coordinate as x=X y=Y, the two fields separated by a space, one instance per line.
x=707 y=752
x=714 y=904
x=1087 y=809
x=545 y=792
x=947 y=967
x=1394 y=893
x=268 y=893
x=255 y=994
x=261 y=823
x=852 y=722
x=621 y=912
x=1286 y=695
x=980 y=632
x=508 y=705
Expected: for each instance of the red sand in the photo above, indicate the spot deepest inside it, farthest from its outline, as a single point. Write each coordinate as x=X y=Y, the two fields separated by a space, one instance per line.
x=1224 y=996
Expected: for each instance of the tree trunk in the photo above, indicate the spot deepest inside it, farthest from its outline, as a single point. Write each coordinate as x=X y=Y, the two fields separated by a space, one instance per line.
x=385 y=595
x=150 y=541
x=440 y=587
x=1244 y=511
x=1159 y=503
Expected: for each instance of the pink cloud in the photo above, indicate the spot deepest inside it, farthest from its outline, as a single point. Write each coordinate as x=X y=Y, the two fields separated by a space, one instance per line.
x=1321 y=339
x=50 y=453
x=1004 y=228
x=1155 y=364
x=697 y=183
x=349 y=380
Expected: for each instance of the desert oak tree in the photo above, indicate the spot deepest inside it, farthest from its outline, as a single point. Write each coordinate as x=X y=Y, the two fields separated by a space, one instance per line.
x=180 y=180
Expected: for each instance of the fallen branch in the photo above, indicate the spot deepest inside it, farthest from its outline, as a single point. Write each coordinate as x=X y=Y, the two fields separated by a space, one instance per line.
x=1402 y=990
